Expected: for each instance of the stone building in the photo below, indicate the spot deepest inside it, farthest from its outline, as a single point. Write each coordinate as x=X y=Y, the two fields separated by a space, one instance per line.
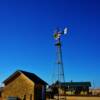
x=23 y=85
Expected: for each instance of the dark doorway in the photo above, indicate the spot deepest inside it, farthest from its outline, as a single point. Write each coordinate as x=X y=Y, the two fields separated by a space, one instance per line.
x=38 y=93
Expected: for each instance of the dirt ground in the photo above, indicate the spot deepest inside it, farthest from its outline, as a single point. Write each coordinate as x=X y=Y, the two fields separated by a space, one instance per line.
x=79 y=98
x=83 y=98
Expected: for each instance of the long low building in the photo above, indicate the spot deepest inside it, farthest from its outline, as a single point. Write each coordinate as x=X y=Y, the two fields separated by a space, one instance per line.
x=72 y=88
x=95 y=91
x=77 y=88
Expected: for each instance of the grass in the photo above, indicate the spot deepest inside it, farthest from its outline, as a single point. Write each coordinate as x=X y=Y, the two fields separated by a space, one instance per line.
x=82 y=98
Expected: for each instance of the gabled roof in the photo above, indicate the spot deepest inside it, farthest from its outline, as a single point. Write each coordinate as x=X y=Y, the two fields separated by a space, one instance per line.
x=77 y=83
x=29 y=75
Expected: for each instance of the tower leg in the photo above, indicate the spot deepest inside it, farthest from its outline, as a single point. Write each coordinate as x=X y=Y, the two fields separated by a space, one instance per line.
x=60 y=72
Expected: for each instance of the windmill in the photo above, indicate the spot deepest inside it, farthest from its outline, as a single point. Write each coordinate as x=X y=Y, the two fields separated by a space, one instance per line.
x=60 y=82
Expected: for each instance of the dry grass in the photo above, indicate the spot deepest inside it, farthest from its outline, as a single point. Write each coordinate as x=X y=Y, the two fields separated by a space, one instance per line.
x=80 y=98
x=83 y=98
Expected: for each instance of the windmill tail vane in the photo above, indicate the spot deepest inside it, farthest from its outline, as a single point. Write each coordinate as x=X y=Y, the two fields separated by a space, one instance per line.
x=58 y=33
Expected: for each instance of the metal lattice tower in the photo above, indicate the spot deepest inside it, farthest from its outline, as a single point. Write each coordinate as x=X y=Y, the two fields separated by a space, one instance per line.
x=60 y=69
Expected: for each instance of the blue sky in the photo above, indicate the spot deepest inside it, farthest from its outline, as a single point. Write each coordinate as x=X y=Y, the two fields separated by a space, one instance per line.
x=26 y=38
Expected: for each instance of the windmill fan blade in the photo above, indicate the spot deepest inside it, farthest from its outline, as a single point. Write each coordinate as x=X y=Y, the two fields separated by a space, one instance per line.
x=65 y=30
